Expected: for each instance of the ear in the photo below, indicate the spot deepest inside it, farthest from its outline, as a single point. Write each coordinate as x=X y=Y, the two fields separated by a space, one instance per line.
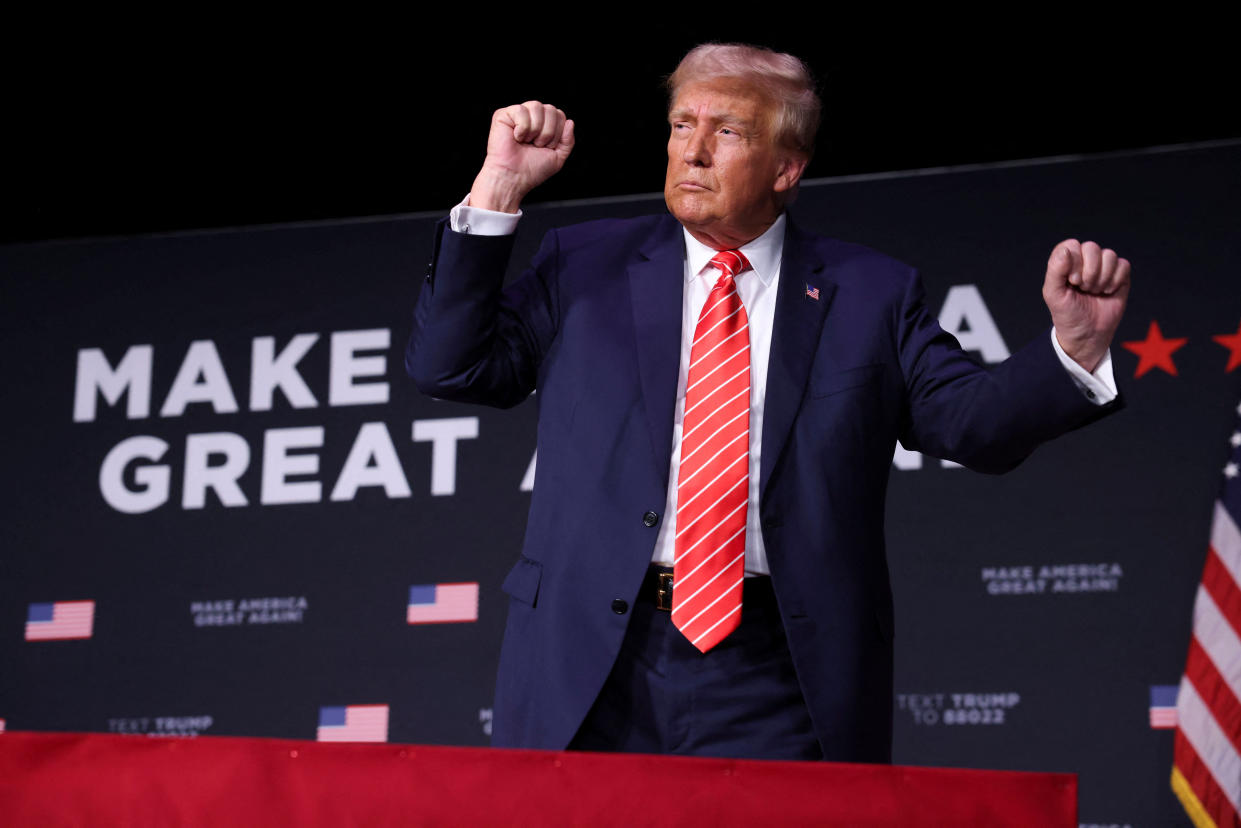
x=788 y=173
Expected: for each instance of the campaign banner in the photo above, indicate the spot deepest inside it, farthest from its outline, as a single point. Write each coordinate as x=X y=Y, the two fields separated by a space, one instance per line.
x=213 y=443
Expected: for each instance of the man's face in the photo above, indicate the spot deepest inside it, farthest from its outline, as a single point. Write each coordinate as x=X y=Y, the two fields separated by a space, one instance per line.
x=726 y=175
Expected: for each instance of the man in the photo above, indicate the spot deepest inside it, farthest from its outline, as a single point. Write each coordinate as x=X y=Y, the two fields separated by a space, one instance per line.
x=720 y=394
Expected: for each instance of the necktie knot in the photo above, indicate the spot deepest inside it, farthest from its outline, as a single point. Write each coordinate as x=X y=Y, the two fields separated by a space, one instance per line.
x=731 y=263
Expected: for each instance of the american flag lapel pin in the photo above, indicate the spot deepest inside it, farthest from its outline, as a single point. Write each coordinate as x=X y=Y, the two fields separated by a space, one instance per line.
x=812 y=292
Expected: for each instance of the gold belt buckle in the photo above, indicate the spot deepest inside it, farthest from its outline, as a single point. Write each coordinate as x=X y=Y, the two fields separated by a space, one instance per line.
x=663 y=595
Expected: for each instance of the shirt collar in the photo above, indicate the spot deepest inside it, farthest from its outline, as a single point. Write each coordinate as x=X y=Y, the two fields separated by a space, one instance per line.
x=763 y=253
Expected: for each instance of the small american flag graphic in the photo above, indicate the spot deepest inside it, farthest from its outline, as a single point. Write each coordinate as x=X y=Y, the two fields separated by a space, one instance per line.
x=353 y=723
x=442 y=603
x=812 y=292
x=1163 y=706
x=60 y=620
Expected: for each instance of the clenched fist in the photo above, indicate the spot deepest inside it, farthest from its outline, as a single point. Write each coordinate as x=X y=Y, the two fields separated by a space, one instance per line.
x=528 y=144
x=1085 y=289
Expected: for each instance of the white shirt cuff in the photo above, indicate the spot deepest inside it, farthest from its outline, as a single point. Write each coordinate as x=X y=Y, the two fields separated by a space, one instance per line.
x=1099 y=387
x=479 y=222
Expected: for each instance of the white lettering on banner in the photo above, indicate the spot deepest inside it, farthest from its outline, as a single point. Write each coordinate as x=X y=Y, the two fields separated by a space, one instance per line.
x=269 y=371
x=373 y=462
x=182 y=725
x=484 y=719
x=161 y=725
x=133 y=480
x=443 y=435
x=1049 y=578
x=527 y=480
x=958 y=708
x=132 y=725
x=217 y=461
x=265 y=611
x=906 y=460
x=132 y=374
x=347 y=366
x=278 y=464
x=152 y=481
x=965 y=316
x=924 y=707
x=201 y=378
x=211 y=606
x=200 y=475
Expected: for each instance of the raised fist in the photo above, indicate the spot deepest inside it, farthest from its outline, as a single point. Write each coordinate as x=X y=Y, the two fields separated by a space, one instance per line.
x=1085 y=289
x=528 y=144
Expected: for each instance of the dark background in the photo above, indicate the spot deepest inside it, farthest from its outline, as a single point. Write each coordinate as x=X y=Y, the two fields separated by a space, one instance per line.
x=230 y=121
x=145 y=125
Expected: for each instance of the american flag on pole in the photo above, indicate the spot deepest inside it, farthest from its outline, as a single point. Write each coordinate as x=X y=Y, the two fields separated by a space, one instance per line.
x=439 y=603
x=60 y=620
x=353 y=723
x=1206 y=770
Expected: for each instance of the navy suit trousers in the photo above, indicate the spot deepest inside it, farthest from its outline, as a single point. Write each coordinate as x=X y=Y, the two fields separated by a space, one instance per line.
x=740 y=699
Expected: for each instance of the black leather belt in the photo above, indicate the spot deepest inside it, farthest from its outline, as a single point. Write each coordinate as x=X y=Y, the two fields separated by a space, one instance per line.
x=657 y=588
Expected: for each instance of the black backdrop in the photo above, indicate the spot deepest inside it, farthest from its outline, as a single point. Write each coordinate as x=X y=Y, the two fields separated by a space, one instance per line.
x=992 y=670
x=214 y=120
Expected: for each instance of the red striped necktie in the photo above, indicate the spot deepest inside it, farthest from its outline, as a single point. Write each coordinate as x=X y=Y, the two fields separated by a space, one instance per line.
x=713 y=488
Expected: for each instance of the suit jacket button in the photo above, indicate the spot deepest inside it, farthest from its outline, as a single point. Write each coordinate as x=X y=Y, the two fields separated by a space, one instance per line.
x=619 y=606
x=650 y=518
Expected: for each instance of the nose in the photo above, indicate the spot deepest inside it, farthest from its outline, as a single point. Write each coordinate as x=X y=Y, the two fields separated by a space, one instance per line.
x=697 y=151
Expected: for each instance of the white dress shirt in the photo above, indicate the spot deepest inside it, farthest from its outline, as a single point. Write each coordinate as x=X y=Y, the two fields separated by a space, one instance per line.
x=758 y=289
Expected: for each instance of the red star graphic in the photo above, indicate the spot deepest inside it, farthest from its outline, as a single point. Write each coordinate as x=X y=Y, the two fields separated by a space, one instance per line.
x=1154 y=351
x=1233 y=343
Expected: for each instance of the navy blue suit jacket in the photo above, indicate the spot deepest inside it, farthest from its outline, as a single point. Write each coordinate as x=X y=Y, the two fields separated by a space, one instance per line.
x=595 y=325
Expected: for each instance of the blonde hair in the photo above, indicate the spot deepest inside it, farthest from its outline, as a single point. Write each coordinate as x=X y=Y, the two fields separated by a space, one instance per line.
x=780 y=77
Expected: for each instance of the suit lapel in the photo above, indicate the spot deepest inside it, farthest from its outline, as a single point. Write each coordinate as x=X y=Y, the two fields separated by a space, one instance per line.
x=794 y=339
x=657 y=284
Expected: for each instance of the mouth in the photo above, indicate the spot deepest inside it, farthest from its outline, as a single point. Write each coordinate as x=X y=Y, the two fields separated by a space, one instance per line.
x=692 y=186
